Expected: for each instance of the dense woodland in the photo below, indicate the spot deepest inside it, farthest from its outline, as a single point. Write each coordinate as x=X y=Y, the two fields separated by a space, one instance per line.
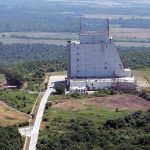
x=20 y=53
x=10 y=139
x=131 y=132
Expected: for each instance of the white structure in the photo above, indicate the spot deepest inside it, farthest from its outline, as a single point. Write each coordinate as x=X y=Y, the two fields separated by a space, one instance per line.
x=77 y=89
x=95 y=58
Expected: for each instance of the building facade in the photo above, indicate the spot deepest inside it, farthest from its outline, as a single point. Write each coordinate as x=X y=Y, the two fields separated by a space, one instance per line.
x=94 y=57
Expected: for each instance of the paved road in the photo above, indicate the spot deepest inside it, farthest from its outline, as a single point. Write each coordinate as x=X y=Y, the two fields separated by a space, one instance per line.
x=26 y=131
x=36 y=128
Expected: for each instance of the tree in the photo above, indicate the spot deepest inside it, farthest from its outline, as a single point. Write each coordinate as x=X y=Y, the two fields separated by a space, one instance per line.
x=60 y=89
x=14 y=79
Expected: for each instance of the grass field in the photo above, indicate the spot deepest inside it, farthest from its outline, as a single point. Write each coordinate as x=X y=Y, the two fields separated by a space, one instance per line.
x=19 y=100
x=57 y=117
x=122 y=36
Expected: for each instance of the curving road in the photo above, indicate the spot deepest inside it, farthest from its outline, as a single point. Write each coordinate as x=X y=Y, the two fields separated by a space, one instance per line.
x=35 y=131
x=36 y=128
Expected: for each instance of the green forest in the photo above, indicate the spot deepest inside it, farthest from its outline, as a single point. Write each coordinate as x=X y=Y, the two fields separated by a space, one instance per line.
x=10 y=139
x=130 y=132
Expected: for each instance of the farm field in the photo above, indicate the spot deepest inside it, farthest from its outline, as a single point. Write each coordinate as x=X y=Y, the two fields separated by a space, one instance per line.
x=122 y=36
x=64 y=42
x=10 y=116
x=104 y=16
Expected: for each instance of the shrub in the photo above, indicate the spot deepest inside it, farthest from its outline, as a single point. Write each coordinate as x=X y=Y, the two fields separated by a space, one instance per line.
x=26 y=123
x=45 y=119
x=60 y=89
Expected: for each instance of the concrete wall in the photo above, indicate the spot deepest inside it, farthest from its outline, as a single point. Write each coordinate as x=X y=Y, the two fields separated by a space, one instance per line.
x=98 y=85
x=95 y=61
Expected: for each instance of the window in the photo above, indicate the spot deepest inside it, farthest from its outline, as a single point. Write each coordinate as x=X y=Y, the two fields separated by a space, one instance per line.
x=77 y=59
x=105 y=67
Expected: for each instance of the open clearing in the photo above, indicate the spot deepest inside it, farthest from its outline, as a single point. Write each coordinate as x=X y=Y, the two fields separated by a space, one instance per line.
x=10 y=116
x=122 y=102
x=127 y=102
x=70 y=104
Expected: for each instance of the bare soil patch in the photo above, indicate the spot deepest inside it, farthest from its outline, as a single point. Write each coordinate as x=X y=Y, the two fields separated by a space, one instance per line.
x=69 y=104
x=129 y=102
x=10 y=116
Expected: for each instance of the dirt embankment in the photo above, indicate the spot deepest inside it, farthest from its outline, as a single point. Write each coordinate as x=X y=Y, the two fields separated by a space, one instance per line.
x=69 y=104
x=10 y=116
x=128 y=102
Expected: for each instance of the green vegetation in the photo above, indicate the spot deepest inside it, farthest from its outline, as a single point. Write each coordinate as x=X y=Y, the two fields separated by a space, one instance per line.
x=87 y=132
x=22 y=101
x=100 y=93
x=14 y=79
x=145 y=95
x=10 y=139
x=2 y=78
x=20 y=53
x=29 y=62
x=135 y=57
x=60 y=89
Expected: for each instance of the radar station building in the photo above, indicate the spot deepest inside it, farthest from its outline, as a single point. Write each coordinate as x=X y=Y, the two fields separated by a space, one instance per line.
x=94 y=63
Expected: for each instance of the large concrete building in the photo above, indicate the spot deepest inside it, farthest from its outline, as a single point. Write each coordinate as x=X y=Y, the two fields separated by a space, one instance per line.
x=94 y=63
